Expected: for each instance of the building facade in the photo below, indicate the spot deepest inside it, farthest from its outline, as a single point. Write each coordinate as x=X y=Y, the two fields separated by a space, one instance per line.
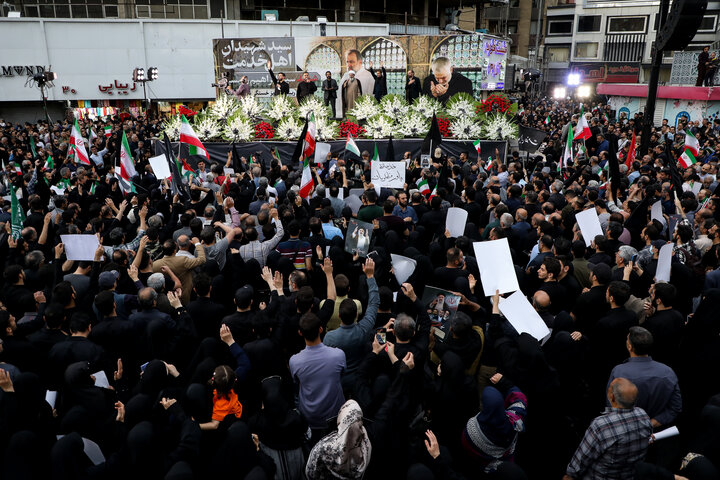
x=609 y=41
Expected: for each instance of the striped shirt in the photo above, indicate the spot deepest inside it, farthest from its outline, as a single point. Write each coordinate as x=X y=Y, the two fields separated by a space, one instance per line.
x=296 y=251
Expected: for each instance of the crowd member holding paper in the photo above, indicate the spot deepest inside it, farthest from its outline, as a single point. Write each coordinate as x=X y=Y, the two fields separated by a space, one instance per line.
x=544 y=267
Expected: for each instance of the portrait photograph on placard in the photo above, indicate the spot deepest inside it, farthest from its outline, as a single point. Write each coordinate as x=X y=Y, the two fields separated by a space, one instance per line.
x=441 y=305
x=359 y=235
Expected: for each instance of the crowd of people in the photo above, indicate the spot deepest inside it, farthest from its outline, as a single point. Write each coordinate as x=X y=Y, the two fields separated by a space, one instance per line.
x=222 y=328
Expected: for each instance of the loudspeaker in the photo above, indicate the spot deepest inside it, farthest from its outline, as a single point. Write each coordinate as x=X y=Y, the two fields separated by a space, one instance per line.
x=681 y=25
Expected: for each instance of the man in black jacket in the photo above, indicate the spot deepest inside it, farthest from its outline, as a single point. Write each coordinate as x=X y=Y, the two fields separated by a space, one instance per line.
x=281 y=86
x=330 y=88
x=412 y=87
x=444 y=82
x=380 y=76
x=305 y=88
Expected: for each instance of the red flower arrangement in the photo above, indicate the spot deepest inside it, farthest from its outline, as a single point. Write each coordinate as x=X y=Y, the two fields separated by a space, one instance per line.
x=264 y=130
x=494 y=102
x=350 y=128
x=444 y=126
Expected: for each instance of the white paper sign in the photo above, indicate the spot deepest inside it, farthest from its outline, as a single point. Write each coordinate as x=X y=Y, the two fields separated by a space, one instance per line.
x=341 y=193
x=667 y=433
x=80 y=247
x=455 y=221
x=403 y=267
x=93 y=452
x=228 y=171
x=388 y=174
x=51 y=397
x=656 y=212
x=354 y=202
x=497 y=271
x=321 y=152
x=160 y=167
x=522 y=316
x=662 y=274
x=589 y=224
x=101 y=379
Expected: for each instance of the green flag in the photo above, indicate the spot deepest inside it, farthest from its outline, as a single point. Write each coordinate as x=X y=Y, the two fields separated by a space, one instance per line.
x=17 y=215
x=376 y=155
x=32 y=146
x=49 y=163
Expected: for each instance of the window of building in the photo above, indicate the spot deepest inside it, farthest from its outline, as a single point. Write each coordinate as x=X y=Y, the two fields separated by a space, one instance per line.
x=626 y=24
x=586 y=50
x=708 y=24
x=589 y=23
x=558 y=54
x=186 y=9
x=71 y=9
x=560 y=27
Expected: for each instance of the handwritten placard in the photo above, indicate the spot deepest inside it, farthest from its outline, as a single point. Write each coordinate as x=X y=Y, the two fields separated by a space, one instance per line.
x=388 y=174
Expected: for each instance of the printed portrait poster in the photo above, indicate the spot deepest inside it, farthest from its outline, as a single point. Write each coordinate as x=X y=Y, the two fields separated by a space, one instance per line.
x=358 y=238
x=441 y=304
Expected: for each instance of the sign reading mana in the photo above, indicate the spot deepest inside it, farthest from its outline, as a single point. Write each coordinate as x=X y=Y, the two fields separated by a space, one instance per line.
x=20 y=70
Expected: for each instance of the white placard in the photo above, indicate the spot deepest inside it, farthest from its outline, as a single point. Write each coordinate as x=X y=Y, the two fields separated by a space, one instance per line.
x=522 y=316
x=667 y=433
x=321 y=152
x=51 y=397
x=455 y=221
x=497 y=271
x=101 y=379
x=354 y=202
x=160 y=167
x=662 y=274
x=341 y=193
x=228 y=171
x=80 y=247
x=403 y=267
x=388 y=174
x=656 y=212
x=93 y=452
x=589 y=224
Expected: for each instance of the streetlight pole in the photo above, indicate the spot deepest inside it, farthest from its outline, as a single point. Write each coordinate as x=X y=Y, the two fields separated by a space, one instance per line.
x=649 y=116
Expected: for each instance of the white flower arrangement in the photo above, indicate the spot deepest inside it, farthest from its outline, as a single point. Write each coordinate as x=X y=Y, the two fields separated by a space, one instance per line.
x=238 y=129
x=498 y=125
x=413 y=126
x=206 y=128
x=224 y=108
x=288 y=129
x=465 y=128
x=395 y=107
x=379 y=126
x=171 y=126
x=461 y=105
x=280 y=107
x=366 y=106
x=315 y=105
x=251 y=108
x=326 y=129
x=426 y=106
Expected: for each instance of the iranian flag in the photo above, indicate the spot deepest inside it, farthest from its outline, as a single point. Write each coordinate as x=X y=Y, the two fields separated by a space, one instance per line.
x=16 y=168
x=306 y=184
x=78 y=144
x=91 y=135
x=309 y=144
x=17 y=216
x=433 y=194
x=186 y=170
x=351 y=146
x=423 y=186
x=376 y=155
x=547 y=120
x=49 y=163
x=692 y=148
x=583 y=129
x=187 y=135
x=108 y=131
x=476 y=144
x=567 y=154
x=127 y=165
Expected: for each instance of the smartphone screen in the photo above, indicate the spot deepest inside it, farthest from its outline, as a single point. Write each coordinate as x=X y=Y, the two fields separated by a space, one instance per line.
x=381 y=337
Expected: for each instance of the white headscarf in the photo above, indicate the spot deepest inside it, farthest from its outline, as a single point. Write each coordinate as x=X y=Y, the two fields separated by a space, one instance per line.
x=344 y=454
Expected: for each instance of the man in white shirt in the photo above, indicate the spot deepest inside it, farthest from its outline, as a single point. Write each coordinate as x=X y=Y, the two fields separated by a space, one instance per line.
x=354 y=62
x=96 y=156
